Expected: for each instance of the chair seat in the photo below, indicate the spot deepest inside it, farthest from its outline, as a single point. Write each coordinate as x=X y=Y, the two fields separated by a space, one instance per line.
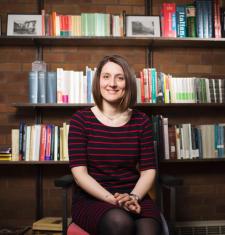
x=74 y=229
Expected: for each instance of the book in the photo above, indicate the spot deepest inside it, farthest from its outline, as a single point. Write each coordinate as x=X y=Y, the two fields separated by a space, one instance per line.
x=181 y=23
x=169 y=19
x=51 y=87
x=191 y=20
x=41 y=87
x=49 y=224
x=199 y=18
x=33 y=87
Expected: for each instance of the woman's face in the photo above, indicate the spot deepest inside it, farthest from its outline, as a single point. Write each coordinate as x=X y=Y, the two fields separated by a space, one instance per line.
x=112 y=83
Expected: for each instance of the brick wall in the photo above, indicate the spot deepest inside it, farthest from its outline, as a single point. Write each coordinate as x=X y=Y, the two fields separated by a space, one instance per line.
x=17 y=191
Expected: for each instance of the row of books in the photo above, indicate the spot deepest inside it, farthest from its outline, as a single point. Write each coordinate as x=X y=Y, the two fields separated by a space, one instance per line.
x=187 y=141
x=68 y=86
x=203 y=19
x=62 y=86
x=154 y=87
x=40 y=142
x=85 y=24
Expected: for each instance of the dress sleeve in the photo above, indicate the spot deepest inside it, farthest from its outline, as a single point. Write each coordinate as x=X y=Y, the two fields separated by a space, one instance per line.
x=77 y=141
x=147 y=154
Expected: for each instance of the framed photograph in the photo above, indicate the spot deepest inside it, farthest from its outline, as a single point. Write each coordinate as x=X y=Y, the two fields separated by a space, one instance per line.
x=24 y=25
x=142 y=26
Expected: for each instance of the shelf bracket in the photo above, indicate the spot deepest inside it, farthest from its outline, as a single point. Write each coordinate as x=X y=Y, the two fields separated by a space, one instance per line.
x=148 y=7
x=39 y=192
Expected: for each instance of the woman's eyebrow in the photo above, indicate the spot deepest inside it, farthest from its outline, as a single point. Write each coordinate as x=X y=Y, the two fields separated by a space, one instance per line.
x=117 y=74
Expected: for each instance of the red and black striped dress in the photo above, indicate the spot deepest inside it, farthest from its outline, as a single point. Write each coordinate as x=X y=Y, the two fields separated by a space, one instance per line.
x=111 y=155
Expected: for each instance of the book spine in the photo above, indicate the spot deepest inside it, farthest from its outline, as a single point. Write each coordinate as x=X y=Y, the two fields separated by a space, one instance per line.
x=191 y=20
x=51 y=87
x=41 y=87
x=199 y=19
x=181 y=21
x=33 y=87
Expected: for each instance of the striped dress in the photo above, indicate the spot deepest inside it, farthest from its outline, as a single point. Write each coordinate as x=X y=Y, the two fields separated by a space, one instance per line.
x=111 y=155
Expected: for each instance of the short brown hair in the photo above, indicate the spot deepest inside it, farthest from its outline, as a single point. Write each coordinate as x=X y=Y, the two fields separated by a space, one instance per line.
x=130 y=95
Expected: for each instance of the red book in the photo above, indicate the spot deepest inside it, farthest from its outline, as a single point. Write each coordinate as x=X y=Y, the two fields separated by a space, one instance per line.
x=43 y=142
x=169 y=19
x=142 y=87
x=48 y=142
x=217 y=23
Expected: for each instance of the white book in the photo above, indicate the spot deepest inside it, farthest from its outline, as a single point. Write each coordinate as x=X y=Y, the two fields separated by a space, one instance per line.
x=65 y=86
x=84 y=92
x=81 y=85
x=27 y=152
x=71 y=87
x=166 y=138
x=76 y=85
x=208 y=98
x=15 y=144
x=56 y=143
x=59 y=72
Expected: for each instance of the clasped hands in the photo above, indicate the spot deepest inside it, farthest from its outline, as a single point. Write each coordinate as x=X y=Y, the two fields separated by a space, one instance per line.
x=128 y=202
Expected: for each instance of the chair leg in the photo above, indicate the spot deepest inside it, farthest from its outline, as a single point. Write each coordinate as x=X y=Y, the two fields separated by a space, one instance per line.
x=165 y=229
x=64 y=216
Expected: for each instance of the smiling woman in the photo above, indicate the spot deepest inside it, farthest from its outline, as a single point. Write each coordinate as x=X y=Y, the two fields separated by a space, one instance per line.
x=106 y=144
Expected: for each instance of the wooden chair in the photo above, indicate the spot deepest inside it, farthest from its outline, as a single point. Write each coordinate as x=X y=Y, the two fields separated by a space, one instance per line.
x=167 y=181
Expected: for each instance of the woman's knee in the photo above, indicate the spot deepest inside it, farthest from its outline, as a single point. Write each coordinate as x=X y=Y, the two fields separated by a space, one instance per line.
x=117 y=221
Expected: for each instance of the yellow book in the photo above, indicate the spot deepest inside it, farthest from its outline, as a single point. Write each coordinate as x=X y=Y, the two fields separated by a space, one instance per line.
x=49 y=224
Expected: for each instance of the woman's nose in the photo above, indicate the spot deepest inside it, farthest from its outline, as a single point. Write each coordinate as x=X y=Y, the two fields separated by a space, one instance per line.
x=112 y=82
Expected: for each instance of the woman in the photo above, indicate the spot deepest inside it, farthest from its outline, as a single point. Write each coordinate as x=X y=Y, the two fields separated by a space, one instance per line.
x=112 y=157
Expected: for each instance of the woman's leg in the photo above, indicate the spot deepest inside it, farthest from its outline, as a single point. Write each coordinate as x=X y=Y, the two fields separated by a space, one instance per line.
x=116 y=222
x=147 y=226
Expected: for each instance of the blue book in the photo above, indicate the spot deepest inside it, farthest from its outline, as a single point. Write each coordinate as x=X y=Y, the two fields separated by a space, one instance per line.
x=181 y=21
x=51 y=87
x=205 y=19
x=209 y=8
x=33 y=87
x=199 y=19
x=89 y=84
x=41 y=87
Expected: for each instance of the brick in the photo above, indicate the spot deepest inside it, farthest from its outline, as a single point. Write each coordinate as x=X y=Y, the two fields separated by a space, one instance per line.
x=132 y=2
x=200 y=69
x=118 y=9
x=10 y=67
x=138 y=10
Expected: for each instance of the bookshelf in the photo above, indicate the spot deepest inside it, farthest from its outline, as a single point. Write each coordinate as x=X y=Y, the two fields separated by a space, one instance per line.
x=177 y=113
x=112 y=41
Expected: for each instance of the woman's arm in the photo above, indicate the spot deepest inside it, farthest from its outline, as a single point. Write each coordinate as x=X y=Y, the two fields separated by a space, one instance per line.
x=91 y=186
x=144 y=183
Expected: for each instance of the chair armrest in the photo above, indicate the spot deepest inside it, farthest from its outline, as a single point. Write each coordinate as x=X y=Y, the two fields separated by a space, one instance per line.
x=64 y=182
x=169 y=180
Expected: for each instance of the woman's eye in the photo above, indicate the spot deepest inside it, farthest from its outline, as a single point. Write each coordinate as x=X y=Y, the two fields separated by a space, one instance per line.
x=106 y=76
x=120 y=78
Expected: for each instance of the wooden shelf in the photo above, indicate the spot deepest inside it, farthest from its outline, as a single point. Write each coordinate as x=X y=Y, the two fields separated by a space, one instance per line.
x=34 y=162
x=208 y=160
x=183 y=161
x=172 y=105
x=112 y=41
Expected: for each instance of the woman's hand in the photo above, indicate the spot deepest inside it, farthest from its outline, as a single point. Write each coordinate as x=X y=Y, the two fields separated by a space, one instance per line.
x=127 y=202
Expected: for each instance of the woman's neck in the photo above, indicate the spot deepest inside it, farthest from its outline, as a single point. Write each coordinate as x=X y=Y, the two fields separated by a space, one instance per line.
x=110 y=110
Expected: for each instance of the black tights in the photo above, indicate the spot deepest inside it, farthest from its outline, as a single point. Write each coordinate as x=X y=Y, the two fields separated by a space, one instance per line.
x=119 y=222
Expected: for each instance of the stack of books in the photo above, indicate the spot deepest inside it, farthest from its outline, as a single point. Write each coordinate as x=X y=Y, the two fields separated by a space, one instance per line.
x=5 y=153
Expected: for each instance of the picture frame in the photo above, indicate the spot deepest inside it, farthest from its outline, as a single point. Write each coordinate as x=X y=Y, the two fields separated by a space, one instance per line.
x=24 y=25
x=142 y=26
